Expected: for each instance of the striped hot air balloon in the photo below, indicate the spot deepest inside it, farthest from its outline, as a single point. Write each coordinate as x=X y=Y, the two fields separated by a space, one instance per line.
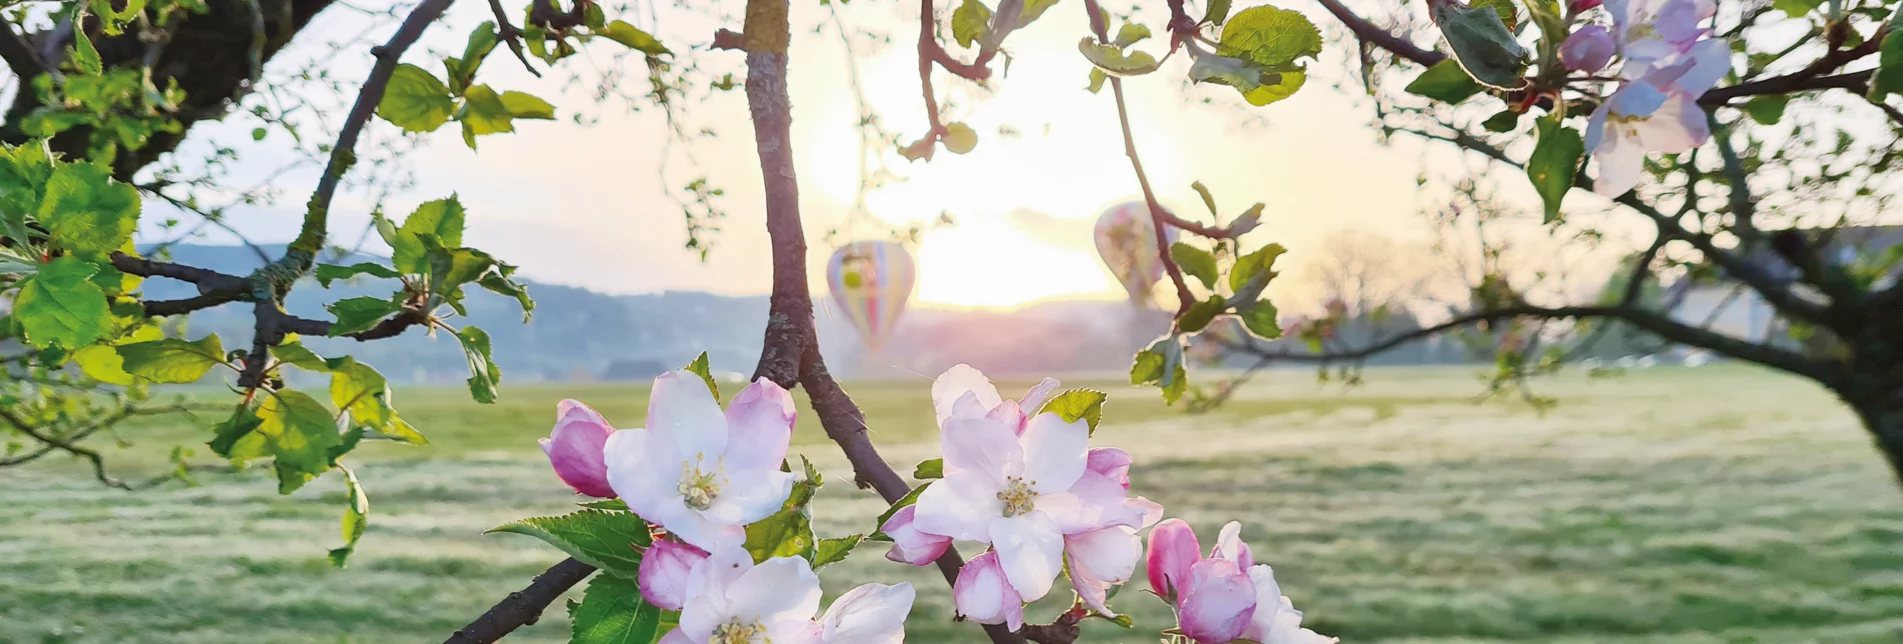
x=1126 y=240
x=871 y=281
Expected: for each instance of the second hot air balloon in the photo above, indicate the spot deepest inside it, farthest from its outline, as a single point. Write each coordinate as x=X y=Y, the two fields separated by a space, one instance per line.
x=871 y=282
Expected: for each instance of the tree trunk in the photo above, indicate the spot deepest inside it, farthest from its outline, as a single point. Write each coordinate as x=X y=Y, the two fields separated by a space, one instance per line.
x=1881 y=411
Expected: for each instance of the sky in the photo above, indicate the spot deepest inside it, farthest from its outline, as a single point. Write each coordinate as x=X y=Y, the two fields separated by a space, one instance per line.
x=584 y=205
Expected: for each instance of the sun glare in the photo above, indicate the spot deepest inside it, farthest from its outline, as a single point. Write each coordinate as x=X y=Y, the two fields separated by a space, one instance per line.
x=989 y=264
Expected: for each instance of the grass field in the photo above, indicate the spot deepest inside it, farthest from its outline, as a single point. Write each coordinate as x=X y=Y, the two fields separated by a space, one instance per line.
x=1712 y=505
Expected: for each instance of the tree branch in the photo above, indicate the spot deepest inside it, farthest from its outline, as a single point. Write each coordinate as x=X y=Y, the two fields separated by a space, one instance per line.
x=20 y=58
x=1368 y=33
x=525 y=606
x=98 y=462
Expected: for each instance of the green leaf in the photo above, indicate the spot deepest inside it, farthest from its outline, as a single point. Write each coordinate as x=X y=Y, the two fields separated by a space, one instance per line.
x=1554 y=161
x=1503 y=121
x=462 y=71
x=1445 y=82
x=484 y=113
x=612 y=612
x=959 y=138
x=1198 y=263
x=85 y=57
x=483 y=372
x=61 y=305
x=1259 y=318
x=1270 y=37
x=786 y=533
x=1482 y=43
x=24 y=170
x=102 y=363
x=1889 y=75
x=300 y=433
x=1218 y=12
x=1130 y=34
x=1509 y=14
x=356 y=518
x=909 y=499
x=327 y=273
x=1201 y=314
x=1284 y=85
x=297 y=355
x=633 y=38
x=236 y=438
x=415 y=100
x=1097 y=78
x=835 y=550
x=1247 y=267
x=87 y=212
x=970 y=22
x=1147 y=368
x=1114 y=61
x=1767 y=109
x=617 y=505
x=1162 y=365
x=699 y=368
x=498 y=282
x=362 y=392
x=611 y=541
x=929 y=469
x=358 y=314
x=528 y=106
x=1796 y=8
x=1209 y=200
x=442 y=218
x=1078 y=404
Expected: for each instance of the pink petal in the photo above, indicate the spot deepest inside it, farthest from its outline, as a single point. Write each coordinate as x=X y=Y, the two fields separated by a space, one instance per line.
x=1217 y=602
x=1110 y=462
x=1031 y=550
x=955 y=383
x=1040 y=393
x=1229 y=546
x=982 y=446
x=909 y=545
x=982 y=594
x=574 y=448
x=759 y=426
x=1100 y=559
x=1008 y=413
x=664 y=571
x=1173 y=550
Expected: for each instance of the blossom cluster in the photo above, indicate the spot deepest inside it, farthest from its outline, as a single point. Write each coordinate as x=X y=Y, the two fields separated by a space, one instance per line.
x=1018 y=477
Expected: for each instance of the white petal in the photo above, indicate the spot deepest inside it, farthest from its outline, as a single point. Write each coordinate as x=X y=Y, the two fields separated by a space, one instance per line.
x=676 y=636
x=1031 y=551
x=1109 y=555
x=960 y=506
x=759 y=426
x=750 y=495
x=695 y=528
x=869 y=614
x=779 y=589
x=1268 y=594
x=1713 y=62
x=1040 y=393
x=794 y=631
x=1055 y=452
x=1668 y=131
x=645 y=472
x=1095 y=501
x=1621 y=161
x=1229 y=543
x=682 y=410
x=954 y=383
x=982 y=446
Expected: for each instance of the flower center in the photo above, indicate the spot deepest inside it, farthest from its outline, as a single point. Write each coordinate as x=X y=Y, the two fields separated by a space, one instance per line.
x=698 y=487
x=1017 y=497
x=735 y=632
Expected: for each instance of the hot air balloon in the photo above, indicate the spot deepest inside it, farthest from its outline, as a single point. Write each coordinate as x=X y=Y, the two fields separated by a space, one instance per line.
x=1126 y=239
x=871 y=281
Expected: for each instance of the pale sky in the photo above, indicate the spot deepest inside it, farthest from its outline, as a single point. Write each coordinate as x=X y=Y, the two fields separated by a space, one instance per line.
x=583 y=205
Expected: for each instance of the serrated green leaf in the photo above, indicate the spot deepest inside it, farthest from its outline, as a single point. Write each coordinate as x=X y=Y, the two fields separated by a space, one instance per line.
x=363 y=393
x=1078 y=404
x=483 y=372
x=616 y=505
x=699 y=368
x=971 y=22
x=484 y=112
x=24 y=170
x=358 y=314
x=1217 y=13
x=1260 y=318
x=1270 y=37
x=611 y=541
x=300 y=356
x=442 y=218
x=88 y=212
x=1200 y=314
x=959 y=138
x=1284 y=85
x=462 y=71
x=300 y=433
x=1033 y=9
x=102 y=363
x=1482 y=43
x=85 y=57
x=1130 y=34
x=1554 y=162
x=236 y=438
x=528 y=106
x=1509 y=14
x=612 y=612
x=415 y=100
x=356 y=518
x=1195 y=262
x=929 y=469
x=1248 y=266
x=1114 y=61
x=1147 y=367
x=499 y=283
x=61 y=305
x=1445 y=82
x=787 y=533
x=835 y=550
x=633 y=38
x=327 y=273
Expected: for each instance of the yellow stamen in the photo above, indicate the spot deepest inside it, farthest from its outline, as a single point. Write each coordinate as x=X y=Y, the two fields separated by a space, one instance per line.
x=1017 y=497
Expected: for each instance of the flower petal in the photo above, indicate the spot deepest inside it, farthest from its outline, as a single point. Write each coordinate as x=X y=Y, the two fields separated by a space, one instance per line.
x=1229 y=546
x=1269 y=602
x=1712 y=60
x=869 y=614
x=1008 y=413
x=1621 y=161
x=1173 y=549
x=644 y=470
x=955 y=383
x=1040 y=393
x=1055 y=452
x=759 y=426
x=982 y=446
x=1110 y=462
x=781 y=588
x=681 y=409
x=707 y=605
x=1093 y=502
x=1678 y=126
x=750 y=495
x=676 y=636
x=982 y=593
x=1217 y=602
x=664 y=571
x=960 y=506
x=574 y=448
x=909 y=545
x=1031 y=551
x=1099 y=559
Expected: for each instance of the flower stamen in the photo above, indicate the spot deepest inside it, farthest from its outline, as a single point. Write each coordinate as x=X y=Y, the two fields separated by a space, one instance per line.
x=1017 y=497
x=697 y=487
x=735 y=632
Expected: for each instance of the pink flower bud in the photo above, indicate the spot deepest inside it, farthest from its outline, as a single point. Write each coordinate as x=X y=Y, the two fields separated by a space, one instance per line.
x=1112 y=463
x=664 y=570
x=1218 y=600
x=1588 y=50
x=908 y=544
x=982 y=593
x=1229 y=546
x=574 y=448
x=1173 y=549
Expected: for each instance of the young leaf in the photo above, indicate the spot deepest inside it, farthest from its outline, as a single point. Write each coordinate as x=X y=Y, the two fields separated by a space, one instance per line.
x=484 y=113
x=102 y=363
x=1198 y=263
x=1445 y=82
x=1889 y=75
x=356 y=518
x=1253 y=264
x=327 y=273
x=612 y=612
x=959 y=138
x=633 y=38
x=358 y=314
x=786 y=533
x=970 y=22
x=1130 y=34
x=85 y=57
x=1218 y=12
x=297 y=355
x=483 y=372
x=1271 y=37
x=699 y=368
x=1114 y=61
x=415 y=100
x=462 y=71
x=300 y=433
x=87 y=212
x=1502 y=121
x=442 y=218
x=498 y=282
x=835 y=550
x=1482 y=43
x=1209 y=200
x=1259 y=318
x=361 y=391
x=929 y=469
x=236 y=438
x=61 y=305
x=1097 y=78
x=1201 y=314
x=1078 y=404
x=611 y=541
x=527 y=106
x=1554 y=161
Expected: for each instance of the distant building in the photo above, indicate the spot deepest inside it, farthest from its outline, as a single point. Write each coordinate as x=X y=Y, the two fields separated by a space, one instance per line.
x=1729 y=307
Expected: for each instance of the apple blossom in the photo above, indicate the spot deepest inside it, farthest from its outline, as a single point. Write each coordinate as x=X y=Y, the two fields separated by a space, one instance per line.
x=1650 y=30
x=1224 y=596
x=982 y=593
x=701 y=474
x=664 y=572
x=1656 y=111
x=908 y=544
x=730 y=600
x=1588 y=50
x=574 y=448
x=1099 y=559
x=952 y=388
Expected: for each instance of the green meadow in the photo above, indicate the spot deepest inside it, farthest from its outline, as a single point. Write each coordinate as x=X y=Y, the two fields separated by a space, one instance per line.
x=1720 y=505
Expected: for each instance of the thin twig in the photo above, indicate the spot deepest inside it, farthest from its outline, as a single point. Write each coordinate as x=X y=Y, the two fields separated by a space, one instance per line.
x=511 y=35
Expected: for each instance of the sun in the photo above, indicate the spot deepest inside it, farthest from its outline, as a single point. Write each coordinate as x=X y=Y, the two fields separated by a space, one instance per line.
x=991 y=264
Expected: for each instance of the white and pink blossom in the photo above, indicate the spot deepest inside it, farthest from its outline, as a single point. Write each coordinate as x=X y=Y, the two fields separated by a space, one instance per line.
x=1224 y=596
x=574 y=448
x=731 y=601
